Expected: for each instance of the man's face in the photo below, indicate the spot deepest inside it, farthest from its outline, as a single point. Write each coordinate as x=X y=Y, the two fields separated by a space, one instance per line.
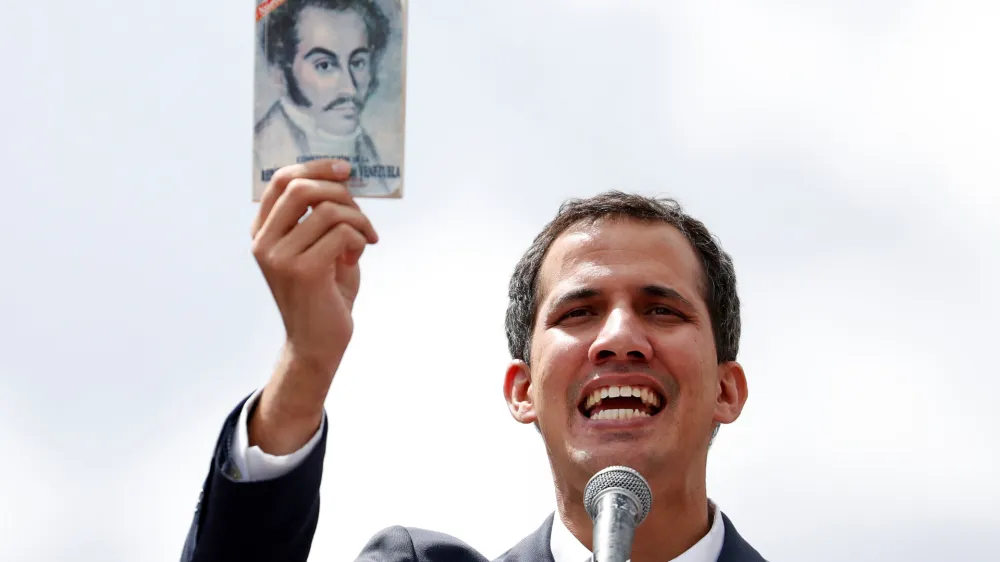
x=621 y=312
x=332 y=67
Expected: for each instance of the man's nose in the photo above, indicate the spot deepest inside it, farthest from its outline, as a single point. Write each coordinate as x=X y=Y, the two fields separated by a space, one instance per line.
x=347 y=85
x=622 y=336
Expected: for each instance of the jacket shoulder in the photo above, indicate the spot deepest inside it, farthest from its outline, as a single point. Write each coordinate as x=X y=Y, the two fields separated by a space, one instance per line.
x=534 y=547
x=411 y=544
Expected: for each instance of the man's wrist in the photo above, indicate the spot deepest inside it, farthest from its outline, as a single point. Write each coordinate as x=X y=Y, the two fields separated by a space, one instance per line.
x=280 y=434
x=290 y=408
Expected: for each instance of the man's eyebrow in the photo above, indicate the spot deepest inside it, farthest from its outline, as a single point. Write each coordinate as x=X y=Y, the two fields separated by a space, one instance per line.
x=573 y=296
x=659 y=291
x=584 y=293
x=320 y=51
x=360 y=51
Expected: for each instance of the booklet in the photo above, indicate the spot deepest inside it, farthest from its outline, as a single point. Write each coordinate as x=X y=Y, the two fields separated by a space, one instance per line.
x=330 y=82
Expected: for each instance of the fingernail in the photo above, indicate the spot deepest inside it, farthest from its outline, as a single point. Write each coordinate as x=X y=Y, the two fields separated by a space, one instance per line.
x=341 y=167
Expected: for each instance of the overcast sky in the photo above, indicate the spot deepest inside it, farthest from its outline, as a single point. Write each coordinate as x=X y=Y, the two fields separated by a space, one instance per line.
x=845 y=152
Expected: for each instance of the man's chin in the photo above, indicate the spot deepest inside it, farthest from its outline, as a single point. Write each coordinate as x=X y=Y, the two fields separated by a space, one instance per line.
x=592 y=457
x=340 y=126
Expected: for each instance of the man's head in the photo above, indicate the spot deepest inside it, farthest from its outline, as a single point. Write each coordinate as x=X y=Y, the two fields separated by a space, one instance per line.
x=623 y=294
x=325 y=54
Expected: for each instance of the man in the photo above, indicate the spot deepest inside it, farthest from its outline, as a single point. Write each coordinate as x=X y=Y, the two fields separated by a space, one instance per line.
x=324 y=56
x=623 y=326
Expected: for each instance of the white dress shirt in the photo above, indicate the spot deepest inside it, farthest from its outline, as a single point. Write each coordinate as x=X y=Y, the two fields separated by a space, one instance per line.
x=251 y=464
x=320 y=141
x=566 y=548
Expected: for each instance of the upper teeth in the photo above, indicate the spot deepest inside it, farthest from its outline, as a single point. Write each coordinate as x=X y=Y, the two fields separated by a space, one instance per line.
x=648 y=395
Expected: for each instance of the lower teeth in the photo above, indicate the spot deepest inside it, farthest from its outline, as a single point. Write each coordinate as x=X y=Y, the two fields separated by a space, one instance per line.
x=619 y=414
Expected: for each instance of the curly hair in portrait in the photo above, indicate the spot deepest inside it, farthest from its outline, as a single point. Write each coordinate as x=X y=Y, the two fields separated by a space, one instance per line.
x=279 y=39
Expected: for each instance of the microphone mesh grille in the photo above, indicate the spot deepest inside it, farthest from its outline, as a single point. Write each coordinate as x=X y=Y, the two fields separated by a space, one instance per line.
x=618 y=477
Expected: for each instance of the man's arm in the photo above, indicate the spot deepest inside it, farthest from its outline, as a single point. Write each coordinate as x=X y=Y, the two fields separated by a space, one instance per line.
x=271 y=519
x=252 y=464
x=262 y=503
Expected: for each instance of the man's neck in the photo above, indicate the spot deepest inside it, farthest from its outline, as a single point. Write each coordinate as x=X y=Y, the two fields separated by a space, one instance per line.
x=675 y=523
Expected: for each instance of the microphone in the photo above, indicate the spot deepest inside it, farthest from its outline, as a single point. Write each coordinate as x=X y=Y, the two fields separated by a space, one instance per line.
x=617 y=499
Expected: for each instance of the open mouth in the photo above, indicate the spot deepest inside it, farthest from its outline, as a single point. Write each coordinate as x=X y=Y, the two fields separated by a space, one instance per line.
x=621 y=403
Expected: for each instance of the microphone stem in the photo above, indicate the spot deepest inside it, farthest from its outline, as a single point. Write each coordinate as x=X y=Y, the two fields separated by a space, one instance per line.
x=614 y=526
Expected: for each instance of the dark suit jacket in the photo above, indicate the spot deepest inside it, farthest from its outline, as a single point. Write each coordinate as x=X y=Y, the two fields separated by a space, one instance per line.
x=275 y=520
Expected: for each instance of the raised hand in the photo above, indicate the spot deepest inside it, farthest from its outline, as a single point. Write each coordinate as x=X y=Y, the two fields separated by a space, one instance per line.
x=311 y=267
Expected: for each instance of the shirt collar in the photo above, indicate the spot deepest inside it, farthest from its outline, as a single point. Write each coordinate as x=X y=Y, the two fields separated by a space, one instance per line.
x=566 y=548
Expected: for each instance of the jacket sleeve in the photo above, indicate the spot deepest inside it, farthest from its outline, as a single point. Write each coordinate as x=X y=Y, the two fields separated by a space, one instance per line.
x=252 y=463
x=270 y=520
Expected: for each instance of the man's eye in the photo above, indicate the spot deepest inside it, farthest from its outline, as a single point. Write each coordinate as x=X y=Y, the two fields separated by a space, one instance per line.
x=662 y=310
x=359 y=64
x=324 y=65
x=576 y=313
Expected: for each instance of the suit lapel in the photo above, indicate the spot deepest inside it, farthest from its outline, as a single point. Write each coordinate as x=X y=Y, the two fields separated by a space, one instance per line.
x=734 y=548
x=533 y=548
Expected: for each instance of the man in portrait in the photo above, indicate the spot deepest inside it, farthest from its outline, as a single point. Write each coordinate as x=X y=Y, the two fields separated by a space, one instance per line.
x=323 y=56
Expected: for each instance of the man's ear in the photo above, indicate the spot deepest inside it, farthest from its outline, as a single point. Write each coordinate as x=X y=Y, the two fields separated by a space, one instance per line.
x=517 y=391
x=731 y=393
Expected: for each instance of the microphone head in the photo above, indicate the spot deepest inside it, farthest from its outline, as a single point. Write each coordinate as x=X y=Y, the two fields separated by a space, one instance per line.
x=621 y=478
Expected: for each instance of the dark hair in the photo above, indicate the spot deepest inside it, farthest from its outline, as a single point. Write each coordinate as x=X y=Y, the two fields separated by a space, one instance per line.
x=718 y=281
x=279 y=39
